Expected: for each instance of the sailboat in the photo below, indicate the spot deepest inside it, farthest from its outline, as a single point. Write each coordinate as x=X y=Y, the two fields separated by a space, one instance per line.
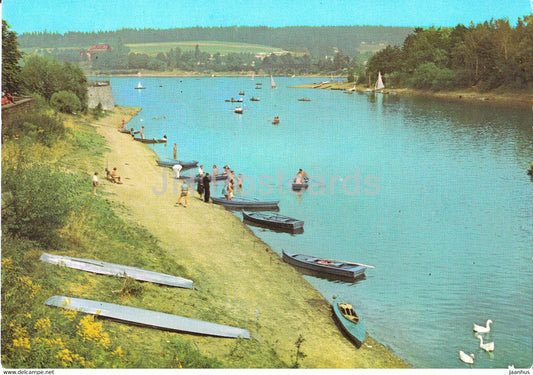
x=379 y=83
x=272 y=83
x=139 y=87
x=253 y=76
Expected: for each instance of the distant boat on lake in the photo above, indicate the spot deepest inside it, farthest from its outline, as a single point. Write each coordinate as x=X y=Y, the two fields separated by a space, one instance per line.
x=379 y=83
x=139 y=87
x=272 y=83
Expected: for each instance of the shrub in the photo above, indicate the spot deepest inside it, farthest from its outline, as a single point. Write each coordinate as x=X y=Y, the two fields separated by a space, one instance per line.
x=66 y=102
x=37 y=126
x=36 y=202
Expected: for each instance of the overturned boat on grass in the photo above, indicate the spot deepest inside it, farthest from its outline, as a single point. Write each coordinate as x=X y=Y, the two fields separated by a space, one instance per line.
x=104 y=268
x=148 y=318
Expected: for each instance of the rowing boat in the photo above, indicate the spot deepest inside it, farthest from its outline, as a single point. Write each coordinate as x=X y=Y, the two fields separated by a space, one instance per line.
x=147 y=317
x=172 y=162
x=273 y=220
x=350 y=322
x=150 y=140
x=240 y=203
x=104 y=268
x=328 y=266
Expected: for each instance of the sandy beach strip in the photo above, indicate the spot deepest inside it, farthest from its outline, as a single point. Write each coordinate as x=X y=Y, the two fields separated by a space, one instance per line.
x=239 y=278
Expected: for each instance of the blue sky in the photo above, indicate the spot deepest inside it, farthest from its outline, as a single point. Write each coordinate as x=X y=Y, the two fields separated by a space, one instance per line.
x=94 y=15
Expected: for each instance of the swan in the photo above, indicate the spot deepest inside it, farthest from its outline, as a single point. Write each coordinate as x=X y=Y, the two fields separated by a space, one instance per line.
x=466 y=358
x=482 y=329
x=488 y=347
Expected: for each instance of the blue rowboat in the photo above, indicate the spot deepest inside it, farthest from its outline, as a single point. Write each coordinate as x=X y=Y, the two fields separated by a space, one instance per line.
x=350 y=322
x=327 y=266
x=241 y=203
x=147 y=317
x=104 y=268
x=273 y=220
x=171 y=162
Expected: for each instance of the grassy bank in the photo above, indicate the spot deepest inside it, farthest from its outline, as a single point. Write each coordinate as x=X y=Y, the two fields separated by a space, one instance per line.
x=240 y=281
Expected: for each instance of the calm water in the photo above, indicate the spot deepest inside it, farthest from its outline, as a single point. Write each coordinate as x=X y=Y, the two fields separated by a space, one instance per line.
x=433 y=194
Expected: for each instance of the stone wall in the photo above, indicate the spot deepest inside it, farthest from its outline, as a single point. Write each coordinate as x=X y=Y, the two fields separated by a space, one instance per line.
x=100 y=92
x=11 y=111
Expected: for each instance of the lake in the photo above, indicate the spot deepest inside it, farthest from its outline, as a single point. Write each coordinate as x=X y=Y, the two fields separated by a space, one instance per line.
x=434 y=194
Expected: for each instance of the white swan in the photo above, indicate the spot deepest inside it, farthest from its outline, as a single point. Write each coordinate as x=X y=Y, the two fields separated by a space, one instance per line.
x=482 y=329
x=466 y=358
x=488 y=347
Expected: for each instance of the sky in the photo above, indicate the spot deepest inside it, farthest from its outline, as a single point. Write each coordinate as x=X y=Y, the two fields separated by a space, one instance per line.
x=94 y=15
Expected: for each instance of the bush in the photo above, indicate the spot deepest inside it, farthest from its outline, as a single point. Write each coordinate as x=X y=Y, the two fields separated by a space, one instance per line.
x=36 y=126
x=66 y=102
x=35 y=202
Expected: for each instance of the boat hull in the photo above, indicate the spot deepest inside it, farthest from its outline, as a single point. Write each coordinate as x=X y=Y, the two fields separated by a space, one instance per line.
x=240 y=203
x=151 y=141
x=147 y=317
x=171 y=163
x=326 y=266
x=104 y=268
x=273 y=220
x=355 y=332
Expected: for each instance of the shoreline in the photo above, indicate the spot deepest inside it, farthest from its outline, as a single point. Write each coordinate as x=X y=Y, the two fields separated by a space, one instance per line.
x=238 y=275
x=522 y=100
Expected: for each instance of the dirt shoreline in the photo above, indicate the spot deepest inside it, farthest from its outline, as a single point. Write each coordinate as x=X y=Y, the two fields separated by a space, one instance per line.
x=239 y=277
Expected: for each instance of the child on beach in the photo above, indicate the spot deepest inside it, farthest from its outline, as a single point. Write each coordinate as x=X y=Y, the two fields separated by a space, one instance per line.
x=184 y=193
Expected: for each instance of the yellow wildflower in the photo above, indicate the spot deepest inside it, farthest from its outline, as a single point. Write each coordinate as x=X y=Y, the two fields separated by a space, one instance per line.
x=118 y=352
x=69 y=314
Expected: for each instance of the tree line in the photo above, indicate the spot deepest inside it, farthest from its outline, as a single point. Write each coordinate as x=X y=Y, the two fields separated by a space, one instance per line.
x=314 y=40
x=488 y=55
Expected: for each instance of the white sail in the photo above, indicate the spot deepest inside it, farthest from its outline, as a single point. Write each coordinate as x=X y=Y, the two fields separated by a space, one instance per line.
x=253 y=76
x=379 y=83
x=272 y=83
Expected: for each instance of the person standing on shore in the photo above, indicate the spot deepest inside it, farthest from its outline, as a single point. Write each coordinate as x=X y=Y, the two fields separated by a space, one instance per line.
x=142 y=132
x=175 y=151
x=176 y=168
x=207 y=188
x=184 y=193
x=95 y=182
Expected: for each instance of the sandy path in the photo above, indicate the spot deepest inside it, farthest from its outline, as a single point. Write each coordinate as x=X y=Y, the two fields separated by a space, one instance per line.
x=240 y=277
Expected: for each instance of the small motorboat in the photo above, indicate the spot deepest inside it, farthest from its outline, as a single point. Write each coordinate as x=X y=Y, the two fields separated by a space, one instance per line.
x=240 y=203
x=327 y=266
x=241 y=92
x=254 y=99
x=171 y=162
x=350 y=322
x=273 y=220
x=304 y=100
x=276 y=120
x=239 y=110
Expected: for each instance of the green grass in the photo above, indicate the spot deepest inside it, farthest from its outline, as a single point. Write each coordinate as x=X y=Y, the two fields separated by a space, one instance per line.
x=212 y=47
x=39 y=336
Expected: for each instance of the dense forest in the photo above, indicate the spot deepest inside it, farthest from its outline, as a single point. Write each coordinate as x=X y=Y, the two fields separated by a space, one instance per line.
x=314 y=49
x=315 y=41
x=489 y=55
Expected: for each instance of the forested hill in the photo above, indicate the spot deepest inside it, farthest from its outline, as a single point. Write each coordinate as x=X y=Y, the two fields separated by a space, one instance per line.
x=314 y=40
